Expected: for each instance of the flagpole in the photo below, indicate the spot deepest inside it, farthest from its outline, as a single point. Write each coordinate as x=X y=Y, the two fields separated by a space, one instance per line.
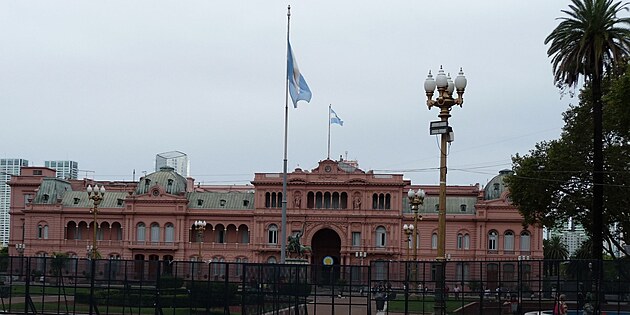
x=329 y=106
x=283 y=227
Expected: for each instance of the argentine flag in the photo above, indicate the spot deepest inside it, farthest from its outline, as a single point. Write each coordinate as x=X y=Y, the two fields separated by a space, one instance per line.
x=334 y=119
x=297 y=85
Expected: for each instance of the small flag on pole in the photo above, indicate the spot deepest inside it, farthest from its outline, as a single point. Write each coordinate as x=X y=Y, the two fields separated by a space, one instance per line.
x=298 y=88
x=334 y=119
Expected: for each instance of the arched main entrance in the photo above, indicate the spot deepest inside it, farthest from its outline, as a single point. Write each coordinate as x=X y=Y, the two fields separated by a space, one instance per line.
x=326 y=243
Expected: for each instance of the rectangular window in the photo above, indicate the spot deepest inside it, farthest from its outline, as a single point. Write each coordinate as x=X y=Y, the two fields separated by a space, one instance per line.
x=273 y=237
x=356 y=239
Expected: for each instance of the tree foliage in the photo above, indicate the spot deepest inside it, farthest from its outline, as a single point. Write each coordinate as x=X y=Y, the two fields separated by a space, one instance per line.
x=591 y=38
x=553 y=182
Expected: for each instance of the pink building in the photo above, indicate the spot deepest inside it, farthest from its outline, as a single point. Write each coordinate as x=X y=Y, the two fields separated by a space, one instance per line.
x=343 y=210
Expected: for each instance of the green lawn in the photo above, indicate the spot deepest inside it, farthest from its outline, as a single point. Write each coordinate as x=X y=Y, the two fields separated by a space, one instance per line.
x=418 y=304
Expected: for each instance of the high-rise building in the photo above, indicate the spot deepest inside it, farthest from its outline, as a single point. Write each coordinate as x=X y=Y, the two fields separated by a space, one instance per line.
x=175 y=159
x=8 y=167
x=65 y=169
x=572 y=235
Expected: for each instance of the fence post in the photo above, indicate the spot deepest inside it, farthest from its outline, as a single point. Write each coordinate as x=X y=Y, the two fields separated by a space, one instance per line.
x=92 y=280
x=369 y=284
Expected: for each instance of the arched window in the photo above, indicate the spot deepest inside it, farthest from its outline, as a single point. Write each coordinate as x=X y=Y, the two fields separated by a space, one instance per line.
x=220 y=234
x=327 y=200
x=218 y=266
x=42 y=231
x=140 y=232
x=155 y=233
x=169 y=187
x=492 y=240
x=434 y=241
x=508 y=241
x=466 y=241
x=271 y=260
x=380 y=268
x=318 y=200
x=381 y=237
x=525 y=242
x=508 y=272
x=460 y=241
x=344 y=200
x=310 y=200
x=388 y=201
x=169 y=233
x=267 y=200
x=272 y=235
x=274 y=200
x=335 y=200
x=462 y=271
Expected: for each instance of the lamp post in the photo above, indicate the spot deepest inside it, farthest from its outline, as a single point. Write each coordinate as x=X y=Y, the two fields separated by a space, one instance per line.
x=95 y=194
x=20 y=248
x=200 y=227
x=360 y=255
x=408 y=229
x=416 y=199
x=444 y=101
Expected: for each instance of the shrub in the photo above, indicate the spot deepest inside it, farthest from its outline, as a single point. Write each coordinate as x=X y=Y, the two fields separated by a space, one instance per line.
x=170 y=282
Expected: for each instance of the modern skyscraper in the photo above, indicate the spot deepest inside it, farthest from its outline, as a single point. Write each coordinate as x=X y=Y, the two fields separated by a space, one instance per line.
x=8 y=167
x=175 y=159
x=65 y=169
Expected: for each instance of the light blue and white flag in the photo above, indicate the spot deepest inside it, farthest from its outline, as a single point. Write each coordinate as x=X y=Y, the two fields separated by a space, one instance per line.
x=334 y=119
x=298 y=88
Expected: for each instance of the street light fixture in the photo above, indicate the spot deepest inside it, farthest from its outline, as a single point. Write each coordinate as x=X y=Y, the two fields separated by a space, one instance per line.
x=95 y=194
x=444 y=101
x=200 y=227
x=360 y=255
x=416 y=199
x=408 y=229
x=20 y=248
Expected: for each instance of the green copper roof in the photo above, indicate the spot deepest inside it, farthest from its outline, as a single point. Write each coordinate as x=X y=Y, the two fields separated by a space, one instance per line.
x=79 y=199
x=216 y=200
x=496 y=186
x=166 y=177
x=51 y=190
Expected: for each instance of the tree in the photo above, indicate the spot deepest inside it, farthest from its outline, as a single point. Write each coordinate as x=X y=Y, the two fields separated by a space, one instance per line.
x=591 y=39
x=554 y=251
x=553 y=182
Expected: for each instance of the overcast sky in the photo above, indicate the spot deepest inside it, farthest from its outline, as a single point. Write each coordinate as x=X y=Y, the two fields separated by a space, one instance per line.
x=112 y=83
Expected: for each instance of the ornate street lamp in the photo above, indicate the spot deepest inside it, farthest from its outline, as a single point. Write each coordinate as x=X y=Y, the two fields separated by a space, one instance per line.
x=200 y=227
x=416 y=199
x=20 y=248
x=444 y=101
x=95 y=194
x=408 y=229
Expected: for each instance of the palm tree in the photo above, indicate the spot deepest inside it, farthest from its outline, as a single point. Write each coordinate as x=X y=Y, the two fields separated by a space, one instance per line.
x=554 y=251
x=590 y=40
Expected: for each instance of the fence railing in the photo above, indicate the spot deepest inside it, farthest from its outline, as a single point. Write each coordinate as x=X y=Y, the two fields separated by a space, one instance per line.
x=61 y=285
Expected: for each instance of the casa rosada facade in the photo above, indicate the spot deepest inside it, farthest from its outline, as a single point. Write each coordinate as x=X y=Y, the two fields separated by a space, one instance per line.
x=341 y=209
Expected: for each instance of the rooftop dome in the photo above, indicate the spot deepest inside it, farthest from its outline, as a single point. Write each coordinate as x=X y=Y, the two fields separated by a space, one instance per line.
x=166 y=177
x=496 y=186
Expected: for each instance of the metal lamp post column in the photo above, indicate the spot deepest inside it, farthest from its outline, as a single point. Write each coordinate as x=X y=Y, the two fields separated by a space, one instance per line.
x=416 y=199
x=444 y=101
x=95 y=194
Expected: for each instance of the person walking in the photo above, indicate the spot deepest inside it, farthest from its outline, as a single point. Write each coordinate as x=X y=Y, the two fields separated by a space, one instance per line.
x=561 y=307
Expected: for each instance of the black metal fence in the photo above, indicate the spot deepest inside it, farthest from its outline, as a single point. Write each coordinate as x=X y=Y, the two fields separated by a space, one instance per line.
x=60 y=285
